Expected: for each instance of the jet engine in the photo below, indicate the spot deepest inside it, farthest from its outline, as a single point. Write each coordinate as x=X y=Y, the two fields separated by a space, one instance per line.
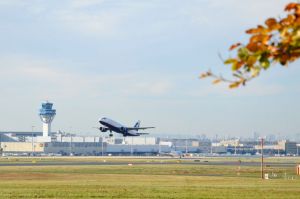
x=102 y=129
x=123 y=129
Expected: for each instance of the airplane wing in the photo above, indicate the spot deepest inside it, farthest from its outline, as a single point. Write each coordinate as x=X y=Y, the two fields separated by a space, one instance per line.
x=139 y=128
x=143 y=133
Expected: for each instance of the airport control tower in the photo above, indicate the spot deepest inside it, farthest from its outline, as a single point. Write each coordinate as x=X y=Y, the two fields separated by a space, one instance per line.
x=47 y=115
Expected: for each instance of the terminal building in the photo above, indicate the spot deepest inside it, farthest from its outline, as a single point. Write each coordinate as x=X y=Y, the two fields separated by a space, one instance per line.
x=22 y=143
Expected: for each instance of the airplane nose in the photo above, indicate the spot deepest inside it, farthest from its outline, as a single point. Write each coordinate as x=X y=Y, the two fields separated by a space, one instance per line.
x=102 y=120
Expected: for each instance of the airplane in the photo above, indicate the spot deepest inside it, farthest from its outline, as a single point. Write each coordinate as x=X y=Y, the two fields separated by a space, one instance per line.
x=112 y=126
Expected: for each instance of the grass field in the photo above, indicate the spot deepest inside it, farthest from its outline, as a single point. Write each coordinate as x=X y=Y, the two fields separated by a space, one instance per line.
x=145 y=181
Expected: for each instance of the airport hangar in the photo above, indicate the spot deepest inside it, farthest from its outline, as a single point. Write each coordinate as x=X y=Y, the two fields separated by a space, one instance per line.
x=26 y=143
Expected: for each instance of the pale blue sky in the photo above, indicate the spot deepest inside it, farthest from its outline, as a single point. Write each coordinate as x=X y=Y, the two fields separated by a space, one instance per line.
x=134 y=59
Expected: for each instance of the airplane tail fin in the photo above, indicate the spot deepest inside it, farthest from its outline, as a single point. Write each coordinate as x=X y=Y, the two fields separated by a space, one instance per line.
x=137 y=124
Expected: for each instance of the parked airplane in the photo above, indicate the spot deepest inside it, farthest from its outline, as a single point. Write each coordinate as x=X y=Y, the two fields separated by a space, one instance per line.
x=112 y=126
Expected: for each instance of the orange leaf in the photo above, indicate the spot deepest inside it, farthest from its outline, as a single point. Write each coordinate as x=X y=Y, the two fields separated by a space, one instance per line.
x=234 y=46
x=259 y=30
x=284 y=59
x=297 y=22
x=291 y=6
x=236 y=66
x=252 y=47
x=271 y=23
x=288 y=20
x=234 y=85
x=203 y=75
x=260 y=39
x=251 y=31
x=216 y=81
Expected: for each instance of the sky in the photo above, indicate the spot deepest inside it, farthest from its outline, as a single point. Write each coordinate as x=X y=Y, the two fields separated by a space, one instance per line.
x=139 y=60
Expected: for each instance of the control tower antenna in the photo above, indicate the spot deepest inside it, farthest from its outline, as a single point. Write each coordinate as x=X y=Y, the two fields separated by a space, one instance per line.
x=47 y=115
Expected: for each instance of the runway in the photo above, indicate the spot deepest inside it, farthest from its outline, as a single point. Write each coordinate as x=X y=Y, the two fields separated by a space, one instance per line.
x=125 y=163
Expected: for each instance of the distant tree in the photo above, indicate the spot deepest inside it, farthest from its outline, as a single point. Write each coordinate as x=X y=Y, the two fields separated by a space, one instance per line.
x=278 y=41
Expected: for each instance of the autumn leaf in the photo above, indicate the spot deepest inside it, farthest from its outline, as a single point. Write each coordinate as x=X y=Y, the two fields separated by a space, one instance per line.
x=251 y=60
x=291 y=6
x=234 y=85
x=234 y=46
x=260 y=29
x=216 y=81
x=204 y=75
x=272 y=23
x=277 y=41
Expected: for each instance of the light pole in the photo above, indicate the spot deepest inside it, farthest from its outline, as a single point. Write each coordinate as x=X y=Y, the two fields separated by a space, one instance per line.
x=234 y=148
x=262 y=157
x=186 y=147
x=70 y=144
x=32 y=150
x=131 y=150
x=1 y=150
x=70 y=140
x=159 y=149
x=102 y=145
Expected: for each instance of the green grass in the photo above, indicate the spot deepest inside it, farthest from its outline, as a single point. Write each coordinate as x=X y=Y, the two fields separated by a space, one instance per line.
x=146 y=181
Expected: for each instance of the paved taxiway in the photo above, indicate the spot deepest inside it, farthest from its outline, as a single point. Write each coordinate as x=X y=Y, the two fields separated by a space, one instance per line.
x=116 y=163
